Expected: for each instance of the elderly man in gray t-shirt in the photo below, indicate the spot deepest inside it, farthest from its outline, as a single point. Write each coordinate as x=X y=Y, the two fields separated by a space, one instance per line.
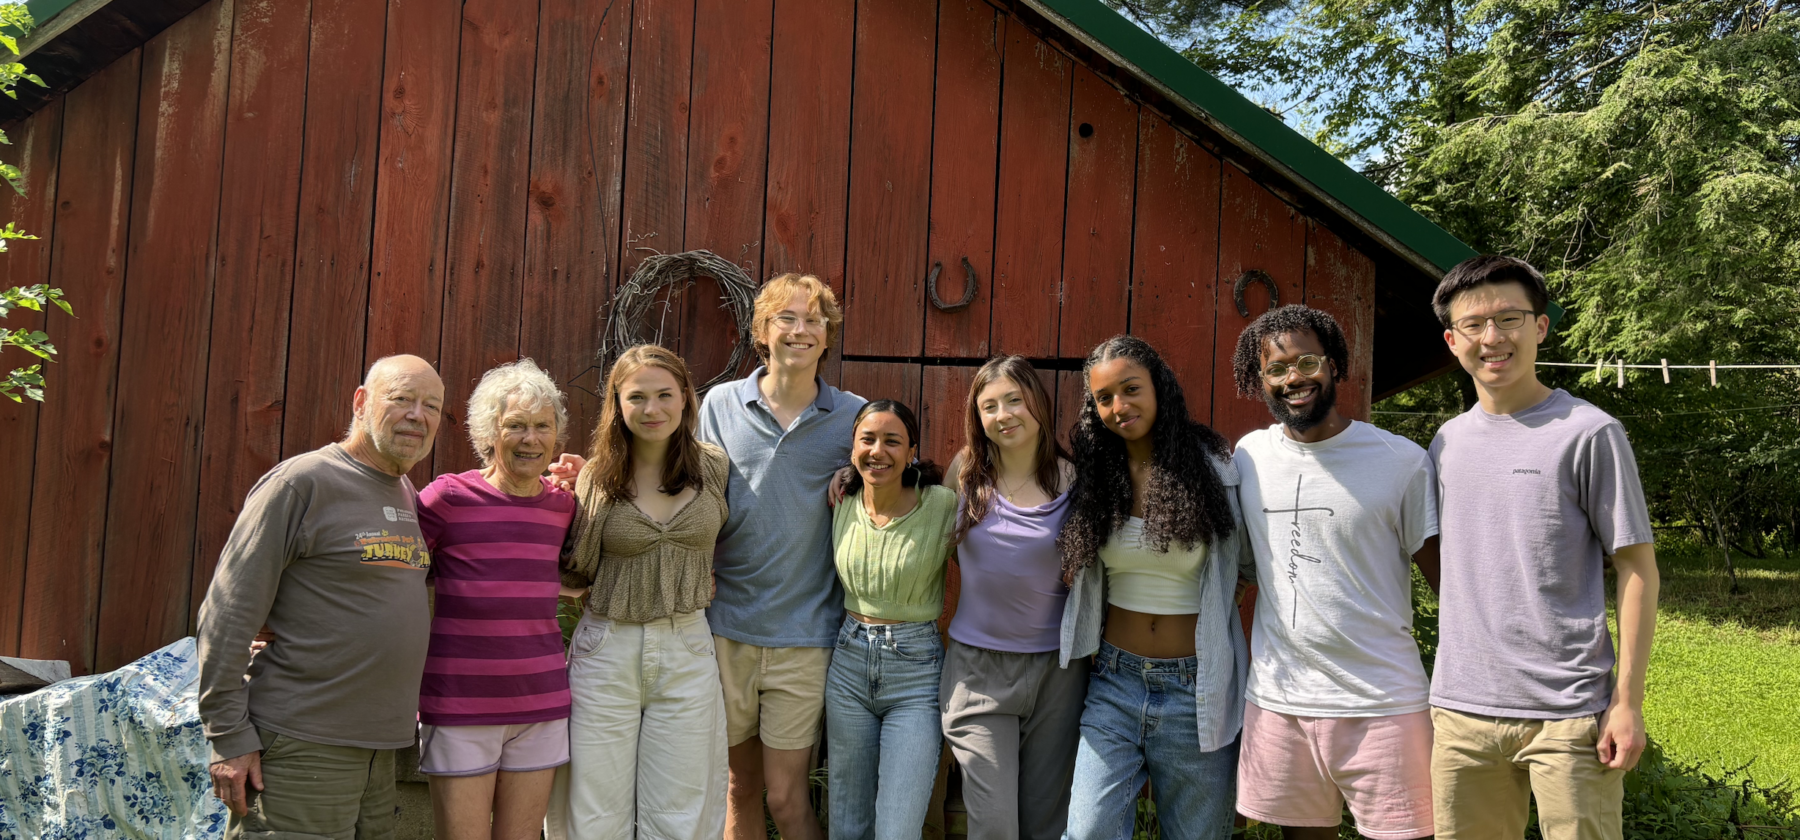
x=328 y=555
x=1537 y=490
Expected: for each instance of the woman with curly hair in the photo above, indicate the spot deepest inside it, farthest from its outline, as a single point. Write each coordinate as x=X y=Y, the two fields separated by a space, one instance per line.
x=1153 y=551
x=1010 y=712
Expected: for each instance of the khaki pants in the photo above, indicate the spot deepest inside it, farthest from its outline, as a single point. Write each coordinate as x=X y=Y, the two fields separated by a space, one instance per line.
x=1485 y=769
x=317 y=791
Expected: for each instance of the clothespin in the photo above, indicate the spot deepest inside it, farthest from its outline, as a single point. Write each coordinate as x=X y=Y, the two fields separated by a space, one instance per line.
x=1599 y=371
x=1665 y=371
x=1713 y=368
x=1621 y=373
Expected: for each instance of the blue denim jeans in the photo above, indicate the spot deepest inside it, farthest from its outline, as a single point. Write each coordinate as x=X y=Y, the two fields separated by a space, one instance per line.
x=1139 y=723
x=881 y=728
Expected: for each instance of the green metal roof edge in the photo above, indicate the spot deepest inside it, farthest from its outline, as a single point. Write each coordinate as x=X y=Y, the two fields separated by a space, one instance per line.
x=1245 y=121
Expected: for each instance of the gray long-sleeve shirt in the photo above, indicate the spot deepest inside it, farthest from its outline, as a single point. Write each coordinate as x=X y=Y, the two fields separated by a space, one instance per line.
x=327 y=552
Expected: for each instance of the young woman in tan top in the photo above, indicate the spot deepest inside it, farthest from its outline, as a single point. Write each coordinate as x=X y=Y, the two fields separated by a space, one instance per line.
x=647 y=719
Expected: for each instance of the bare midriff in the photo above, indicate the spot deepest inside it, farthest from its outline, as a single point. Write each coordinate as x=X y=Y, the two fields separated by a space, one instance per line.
x=1150 y=636
x=869 y=619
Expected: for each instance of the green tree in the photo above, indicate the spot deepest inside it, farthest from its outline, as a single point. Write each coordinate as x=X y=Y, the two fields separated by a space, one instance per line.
x=1645 y=155
x=25 y=381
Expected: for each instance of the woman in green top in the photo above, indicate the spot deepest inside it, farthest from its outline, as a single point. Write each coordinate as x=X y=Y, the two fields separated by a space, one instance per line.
x=890 y=540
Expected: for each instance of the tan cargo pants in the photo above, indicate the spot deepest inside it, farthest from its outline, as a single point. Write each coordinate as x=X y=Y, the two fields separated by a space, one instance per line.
x=319 y=791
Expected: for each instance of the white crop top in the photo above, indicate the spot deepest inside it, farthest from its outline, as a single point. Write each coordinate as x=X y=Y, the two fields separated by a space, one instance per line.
x=1141 y=580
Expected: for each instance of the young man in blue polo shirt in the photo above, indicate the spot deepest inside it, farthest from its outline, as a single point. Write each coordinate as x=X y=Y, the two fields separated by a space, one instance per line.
x=776 y=614
x=1538 y=492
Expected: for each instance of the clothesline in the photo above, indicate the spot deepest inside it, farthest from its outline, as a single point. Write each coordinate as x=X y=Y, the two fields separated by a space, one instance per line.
x=1621 y=416
x=1712 y=368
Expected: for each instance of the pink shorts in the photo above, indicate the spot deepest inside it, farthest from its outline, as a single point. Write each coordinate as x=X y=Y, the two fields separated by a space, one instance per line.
x=1300 y=771
x=480 y=750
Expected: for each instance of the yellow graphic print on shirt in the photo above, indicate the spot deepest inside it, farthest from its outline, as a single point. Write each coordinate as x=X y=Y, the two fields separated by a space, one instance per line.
x=382 y=548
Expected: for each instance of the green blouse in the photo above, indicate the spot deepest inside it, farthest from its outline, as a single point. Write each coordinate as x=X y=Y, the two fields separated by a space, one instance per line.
x=895 y=572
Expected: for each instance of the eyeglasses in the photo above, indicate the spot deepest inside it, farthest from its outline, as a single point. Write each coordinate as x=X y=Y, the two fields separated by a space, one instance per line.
x=1507 y=321
x=790 y=322
x=1308 y=365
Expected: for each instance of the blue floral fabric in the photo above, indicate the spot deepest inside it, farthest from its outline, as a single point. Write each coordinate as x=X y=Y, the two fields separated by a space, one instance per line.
x=119 y=754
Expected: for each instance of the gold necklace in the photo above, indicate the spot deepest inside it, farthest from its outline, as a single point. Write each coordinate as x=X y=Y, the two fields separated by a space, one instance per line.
x=1015 y=491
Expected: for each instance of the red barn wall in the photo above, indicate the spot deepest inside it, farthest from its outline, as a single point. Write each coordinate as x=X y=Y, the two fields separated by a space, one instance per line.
x=271 y=194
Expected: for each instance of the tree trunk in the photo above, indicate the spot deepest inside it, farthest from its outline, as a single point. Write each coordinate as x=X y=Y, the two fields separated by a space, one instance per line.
x=1723 y=541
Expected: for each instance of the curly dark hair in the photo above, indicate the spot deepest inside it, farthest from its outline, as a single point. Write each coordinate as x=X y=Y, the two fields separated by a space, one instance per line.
x=921 y=473
x=1185 y=502
x=1246 y=361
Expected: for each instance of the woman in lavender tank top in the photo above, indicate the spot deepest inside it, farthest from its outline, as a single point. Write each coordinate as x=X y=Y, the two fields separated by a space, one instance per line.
x=1010 y=713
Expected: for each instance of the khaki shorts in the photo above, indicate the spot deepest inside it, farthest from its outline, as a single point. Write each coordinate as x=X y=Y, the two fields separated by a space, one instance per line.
x=775 y=693
x=1485 y=770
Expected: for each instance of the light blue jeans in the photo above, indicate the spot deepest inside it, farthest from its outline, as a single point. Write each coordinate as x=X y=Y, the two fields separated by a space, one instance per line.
x=1139 y=722
x=881 y=728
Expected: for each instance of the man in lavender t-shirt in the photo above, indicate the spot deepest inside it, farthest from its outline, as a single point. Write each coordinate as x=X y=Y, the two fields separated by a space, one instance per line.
x=1537 y=490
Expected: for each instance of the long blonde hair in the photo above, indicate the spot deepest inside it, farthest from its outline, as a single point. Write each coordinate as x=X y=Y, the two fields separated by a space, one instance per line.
x=609 y=456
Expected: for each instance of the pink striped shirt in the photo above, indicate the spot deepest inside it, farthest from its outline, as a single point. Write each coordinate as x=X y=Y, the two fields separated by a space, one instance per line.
x=496 y=654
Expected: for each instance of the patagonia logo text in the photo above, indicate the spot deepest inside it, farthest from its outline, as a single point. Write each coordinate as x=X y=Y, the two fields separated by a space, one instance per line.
x=1527 y=472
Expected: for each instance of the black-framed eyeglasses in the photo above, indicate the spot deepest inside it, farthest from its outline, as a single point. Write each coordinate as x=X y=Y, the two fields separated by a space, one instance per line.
x=1308 y=365
x=1509 y=320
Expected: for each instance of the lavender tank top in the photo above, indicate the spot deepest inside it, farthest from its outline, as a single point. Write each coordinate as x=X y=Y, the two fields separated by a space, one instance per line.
x=1012 y=589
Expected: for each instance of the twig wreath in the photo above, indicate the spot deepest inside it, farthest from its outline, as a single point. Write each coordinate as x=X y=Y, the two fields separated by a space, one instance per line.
x=628 y=322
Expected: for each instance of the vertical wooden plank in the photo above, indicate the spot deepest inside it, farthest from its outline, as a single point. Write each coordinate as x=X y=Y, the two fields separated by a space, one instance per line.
x=337 y=218
x=1096 y=278
x=485 y=264
x=75 y=444
x=809 y=139
x=1341 y=281
x=258 y=200
x=965 y=148
x=944 y=390
x=150 y=528
x=1071 y=387
x=572 y=230
x=883 y=381
x=35 y=143
x=412 y=183
x=1256 y=231
x=656 y=138
x=1034 y=158
x=890 y=177
x=1175 y=256
x=728 y=158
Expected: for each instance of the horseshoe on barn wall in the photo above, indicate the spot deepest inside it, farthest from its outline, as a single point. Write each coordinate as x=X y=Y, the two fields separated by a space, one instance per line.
x=1254 y=275
x=970 y=285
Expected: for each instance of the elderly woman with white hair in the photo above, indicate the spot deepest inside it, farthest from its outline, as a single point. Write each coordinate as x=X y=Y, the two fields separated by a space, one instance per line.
x=494 y=703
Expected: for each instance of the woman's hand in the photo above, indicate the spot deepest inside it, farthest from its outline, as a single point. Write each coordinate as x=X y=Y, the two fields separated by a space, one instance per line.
x=834 y=492
x=566 y=469
x=570 y=593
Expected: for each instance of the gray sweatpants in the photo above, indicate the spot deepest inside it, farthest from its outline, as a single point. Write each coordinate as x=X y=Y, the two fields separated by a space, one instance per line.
x=1013 y=721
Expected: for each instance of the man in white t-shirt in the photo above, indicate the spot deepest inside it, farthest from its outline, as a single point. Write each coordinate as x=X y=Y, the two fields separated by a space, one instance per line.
x=1337 y=512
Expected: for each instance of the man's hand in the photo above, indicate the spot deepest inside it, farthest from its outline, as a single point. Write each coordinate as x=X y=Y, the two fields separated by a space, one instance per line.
x=231 y=776
x=566 y=468
x=1621 y=736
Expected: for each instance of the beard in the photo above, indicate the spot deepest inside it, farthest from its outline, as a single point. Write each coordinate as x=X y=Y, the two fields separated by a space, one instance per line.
x=1308 y=417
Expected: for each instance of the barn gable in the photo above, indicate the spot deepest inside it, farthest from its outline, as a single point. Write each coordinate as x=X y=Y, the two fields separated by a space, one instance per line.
x=285 y=190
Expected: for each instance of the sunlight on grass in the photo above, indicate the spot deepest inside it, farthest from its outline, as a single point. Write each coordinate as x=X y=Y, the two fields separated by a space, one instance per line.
x=1724 y=680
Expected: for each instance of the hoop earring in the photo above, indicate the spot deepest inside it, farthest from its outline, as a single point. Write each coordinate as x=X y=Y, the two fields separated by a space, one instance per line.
x=917 y=474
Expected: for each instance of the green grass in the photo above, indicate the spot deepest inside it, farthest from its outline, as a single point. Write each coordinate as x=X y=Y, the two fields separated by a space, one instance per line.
x=1724 y=681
